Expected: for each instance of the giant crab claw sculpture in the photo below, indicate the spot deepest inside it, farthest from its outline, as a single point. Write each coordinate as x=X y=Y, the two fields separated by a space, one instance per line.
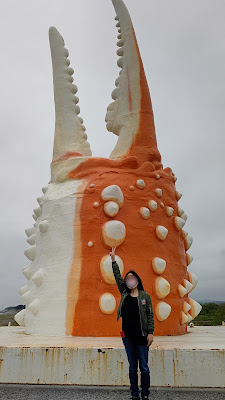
x=128 y=201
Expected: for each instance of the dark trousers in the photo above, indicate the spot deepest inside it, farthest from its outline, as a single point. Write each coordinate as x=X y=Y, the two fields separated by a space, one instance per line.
x=137 y=352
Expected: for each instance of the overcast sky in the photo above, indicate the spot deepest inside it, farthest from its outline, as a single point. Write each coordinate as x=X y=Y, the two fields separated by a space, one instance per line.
x=182 y=44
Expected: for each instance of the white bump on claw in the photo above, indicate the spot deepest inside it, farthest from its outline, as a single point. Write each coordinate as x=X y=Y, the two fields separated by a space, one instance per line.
x=114 y=233
x=30 y=231
x=193 y=279
x=189 y=317
x=144 y=212
x=23 y=289
x=180 y=211
x=90 y=244
x=152 y=205
x=186 y=307
x=195 y=308
x=188 y=285
x=114 y=193
x=169 y=211
x=158 y=192
x=30 y=252
x=34 y=306
x=161 y=232
x=20 y=317
x=184 y=233
x=44 y=189
x=40 y=200
x=26 y=297
x=107 y=303
x=179 y=223
x=163 y=310
x=184 y=216
x=182 y=290
x=188 y=242
x=96 y=204
x=43 y=226
x=189 y=259
x=111 y=208
x=115 y=93
x=37 y=278
x=27 y=271
x=31 y=239
x=162 y=287
x=158 y=265
x=106 y=268
x=178 y=195
x=184 y=318
x=140 y=184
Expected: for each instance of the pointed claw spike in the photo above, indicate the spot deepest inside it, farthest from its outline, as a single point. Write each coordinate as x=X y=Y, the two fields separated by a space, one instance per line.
x=68 y=131
x=132 y=116
x=30 y=252
x=20 y=317
x=44 y=189
x=29 y=231
x=27 y=271
x=34 y=306
x=120 y=52
x=31 y=239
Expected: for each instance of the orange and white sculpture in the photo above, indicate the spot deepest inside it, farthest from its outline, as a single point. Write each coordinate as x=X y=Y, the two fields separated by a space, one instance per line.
x=128 y=201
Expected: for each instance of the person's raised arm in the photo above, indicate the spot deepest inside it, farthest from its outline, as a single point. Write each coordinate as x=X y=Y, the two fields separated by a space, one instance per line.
x=116 y=271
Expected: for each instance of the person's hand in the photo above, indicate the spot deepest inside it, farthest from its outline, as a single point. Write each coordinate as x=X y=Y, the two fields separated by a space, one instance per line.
x=150 y=339
x=112 y=254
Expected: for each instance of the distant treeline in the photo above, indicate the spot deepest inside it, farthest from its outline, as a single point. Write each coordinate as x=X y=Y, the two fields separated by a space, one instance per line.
x=211 y=314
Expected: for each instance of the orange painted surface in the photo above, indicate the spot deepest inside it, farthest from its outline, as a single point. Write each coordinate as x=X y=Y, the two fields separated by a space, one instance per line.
x=141 y=244
x=145 y=144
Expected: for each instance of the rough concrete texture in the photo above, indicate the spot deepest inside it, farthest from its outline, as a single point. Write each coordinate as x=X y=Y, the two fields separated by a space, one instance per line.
x=196 y=359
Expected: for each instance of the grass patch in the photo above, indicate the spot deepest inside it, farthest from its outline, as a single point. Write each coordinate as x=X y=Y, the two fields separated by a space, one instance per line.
x=6 y=318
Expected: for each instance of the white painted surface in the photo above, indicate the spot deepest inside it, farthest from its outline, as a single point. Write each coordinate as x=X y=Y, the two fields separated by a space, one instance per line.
x=53 y=258
x=180 y=361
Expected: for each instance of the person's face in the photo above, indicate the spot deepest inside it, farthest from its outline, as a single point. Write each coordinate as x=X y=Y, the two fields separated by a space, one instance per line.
x=131 y=281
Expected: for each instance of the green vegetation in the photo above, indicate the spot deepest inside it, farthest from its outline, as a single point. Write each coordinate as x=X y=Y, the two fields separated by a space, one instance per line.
x=211 y=314
x=6 y=318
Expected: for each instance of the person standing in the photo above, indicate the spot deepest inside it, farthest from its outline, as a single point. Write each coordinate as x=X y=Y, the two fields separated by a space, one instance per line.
x=136 y=311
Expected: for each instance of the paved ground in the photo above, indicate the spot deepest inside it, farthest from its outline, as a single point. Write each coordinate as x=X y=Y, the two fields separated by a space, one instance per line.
x=59 y=392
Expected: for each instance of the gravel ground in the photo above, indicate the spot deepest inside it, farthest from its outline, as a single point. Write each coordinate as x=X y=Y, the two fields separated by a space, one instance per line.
x=60 y=392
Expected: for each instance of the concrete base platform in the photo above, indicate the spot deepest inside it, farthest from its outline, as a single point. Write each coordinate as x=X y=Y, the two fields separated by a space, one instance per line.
x=196 y=359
